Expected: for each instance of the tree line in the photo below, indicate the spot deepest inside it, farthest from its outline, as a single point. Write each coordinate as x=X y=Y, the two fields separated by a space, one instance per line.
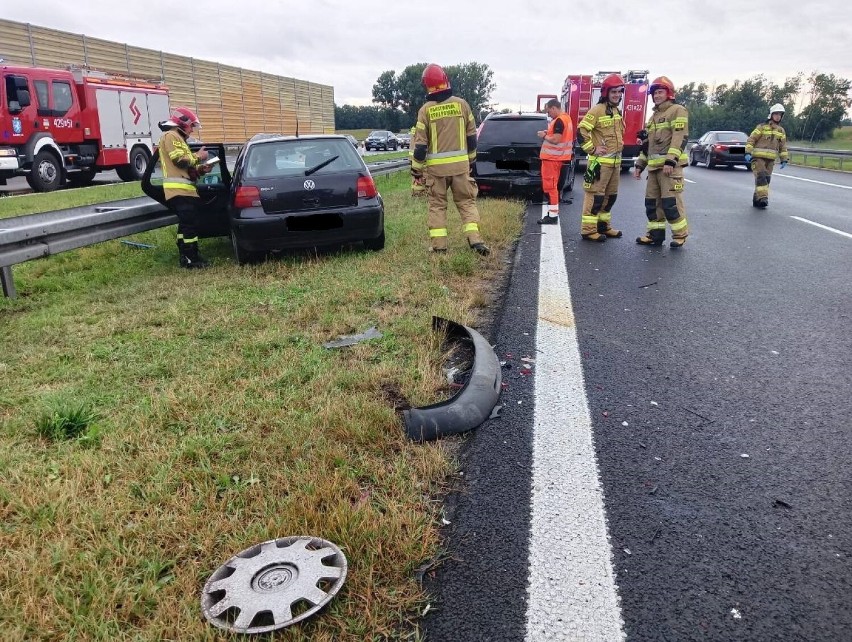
x=815 y=106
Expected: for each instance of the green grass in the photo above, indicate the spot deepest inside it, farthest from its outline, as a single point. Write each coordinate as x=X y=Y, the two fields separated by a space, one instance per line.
x=155 y=421
x=35 y=203
x=842 y=140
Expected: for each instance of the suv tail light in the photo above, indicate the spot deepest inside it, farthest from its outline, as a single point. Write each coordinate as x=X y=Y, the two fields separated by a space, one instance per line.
x=247 y=196
x=366 y=187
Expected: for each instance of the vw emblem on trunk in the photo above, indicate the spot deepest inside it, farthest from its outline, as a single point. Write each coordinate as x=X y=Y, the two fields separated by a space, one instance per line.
x=511 y=150
x=309 y=185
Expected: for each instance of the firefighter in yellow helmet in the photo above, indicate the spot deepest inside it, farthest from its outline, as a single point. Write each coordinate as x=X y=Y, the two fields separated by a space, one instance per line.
x=601 y=135
x=444 y=150
x=767 y=142
x=181 y=168
x=418 y=185
x=664 y=154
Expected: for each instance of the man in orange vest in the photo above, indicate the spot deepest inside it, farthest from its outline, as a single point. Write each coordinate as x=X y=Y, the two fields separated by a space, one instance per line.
x=557 y=148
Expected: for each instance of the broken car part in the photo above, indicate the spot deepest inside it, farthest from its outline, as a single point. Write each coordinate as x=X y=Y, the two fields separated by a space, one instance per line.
x=273 y=584
x=472 y=405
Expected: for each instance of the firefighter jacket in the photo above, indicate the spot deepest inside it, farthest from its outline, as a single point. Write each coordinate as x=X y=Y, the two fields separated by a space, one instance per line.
x=668 y=129
x=445 y=140
x=563 y=150
x=603 y=125
x=179 y=165
x=767 y=141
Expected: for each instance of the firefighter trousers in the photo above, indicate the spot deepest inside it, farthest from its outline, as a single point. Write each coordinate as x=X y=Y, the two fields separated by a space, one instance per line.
x=187 y=210
x=762 y=170
x=598 y=200
x=664 y=203
x=464 y=192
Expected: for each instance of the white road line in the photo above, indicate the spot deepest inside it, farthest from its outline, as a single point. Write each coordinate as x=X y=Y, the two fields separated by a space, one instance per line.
x=825 y=227
x=571 y=593
x=810 y=180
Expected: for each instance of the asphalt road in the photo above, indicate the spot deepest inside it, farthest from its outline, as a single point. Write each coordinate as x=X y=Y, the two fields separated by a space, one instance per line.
x=718 y=380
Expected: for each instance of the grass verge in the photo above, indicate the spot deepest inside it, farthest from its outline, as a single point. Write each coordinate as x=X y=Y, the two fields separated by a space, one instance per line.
x=153 y=422
x=35 y=203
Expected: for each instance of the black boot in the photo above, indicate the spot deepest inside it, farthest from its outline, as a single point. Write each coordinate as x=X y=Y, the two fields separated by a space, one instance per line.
x=480 y=248
x=190 y=257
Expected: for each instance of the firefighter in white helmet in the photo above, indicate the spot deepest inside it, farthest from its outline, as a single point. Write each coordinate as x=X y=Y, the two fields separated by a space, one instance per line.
x=444 y=149
x=181 y=168
x=767 y=142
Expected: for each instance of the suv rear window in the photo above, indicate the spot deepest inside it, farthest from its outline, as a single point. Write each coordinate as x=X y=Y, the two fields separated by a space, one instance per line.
x=511 y=131
x=295 y=157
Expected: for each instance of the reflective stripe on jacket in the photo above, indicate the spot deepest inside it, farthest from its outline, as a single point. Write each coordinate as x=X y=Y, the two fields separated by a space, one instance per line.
x=443 y=128
x=603 y=125
x=668 y=130
x=768 y=140
x=563 y=150
x=176 y=180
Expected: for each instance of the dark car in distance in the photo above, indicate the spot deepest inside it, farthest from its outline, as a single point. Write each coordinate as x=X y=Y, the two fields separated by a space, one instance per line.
x=302 y=192
x=404 y=140
x=720 y=148
x=507 y=156
x=381 y=139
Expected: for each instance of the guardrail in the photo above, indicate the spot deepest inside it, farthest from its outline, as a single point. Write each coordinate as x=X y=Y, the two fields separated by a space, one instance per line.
x=835 y=156
x=35 y=236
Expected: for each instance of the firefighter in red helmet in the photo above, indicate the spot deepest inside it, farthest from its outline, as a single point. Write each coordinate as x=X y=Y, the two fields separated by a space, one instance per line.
x=601 y=135
x=444 y=151
x=181 y=168
x=664 y=154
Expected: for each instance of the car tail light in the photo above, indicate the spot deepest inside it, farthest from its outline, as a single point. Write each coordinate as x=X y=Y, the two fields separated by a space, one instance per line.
x=366 y=187
x=247 y=196
x=484 y=188
x=720 y=148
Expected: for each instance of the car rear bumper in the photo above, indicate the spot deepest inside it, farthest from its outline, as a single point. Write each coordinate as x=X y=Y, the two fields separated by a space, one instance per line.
x=508 y=185
x=309 y=229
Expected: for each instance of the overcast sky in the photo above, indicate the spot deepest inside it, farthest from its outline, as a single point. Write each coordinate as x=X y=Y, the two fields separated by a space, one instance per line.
x=530 y=45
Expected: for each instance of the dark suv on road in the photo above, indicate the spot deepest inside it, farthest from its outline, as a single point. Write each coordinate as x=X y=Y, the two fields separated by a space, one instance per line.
x=383 y=140
x=507 y=161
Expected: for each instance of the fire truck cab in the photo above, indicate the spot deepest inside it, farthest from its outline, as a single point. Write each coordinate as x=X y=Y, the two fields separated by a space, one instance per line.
x=580 y=92
x=68 y=125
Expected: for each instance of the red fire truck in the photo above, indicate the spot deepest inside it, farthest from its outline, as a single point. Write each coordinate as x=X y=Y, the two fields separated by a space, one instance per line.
x=68 y=125
x=580 y=92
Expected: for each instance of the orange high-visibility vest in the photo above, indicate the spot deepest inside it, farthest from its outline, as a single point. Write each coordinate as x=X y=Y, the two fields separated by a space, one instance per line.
x=564 y=150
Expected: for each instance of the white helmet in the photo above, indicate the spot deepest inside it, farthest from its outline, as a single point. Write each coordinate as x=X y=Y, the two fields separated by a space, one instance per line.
x=777 y=108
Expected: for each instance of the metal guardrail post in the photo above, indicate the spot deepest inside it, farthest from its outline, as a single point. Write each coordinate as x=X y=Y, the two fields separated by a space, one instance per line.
x=8 y=282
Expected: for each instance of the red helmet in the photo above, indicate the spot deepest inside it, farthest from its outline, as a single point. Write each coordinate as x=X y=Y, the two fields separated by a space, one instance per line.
x=613 y=81
x=434 y=79
x=185 y=119
x=663 y=83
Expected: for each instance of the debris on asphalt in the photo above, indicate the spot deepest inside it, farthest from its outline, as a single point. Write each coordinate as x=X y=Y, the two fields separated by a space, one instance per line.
x=627 y=550
x=744 y=456
x=775 y=352
x=495 y=414
x=736 y=613
x=625 y=424
x=606 y=413
x=351 y=339
x=648 y=285
x=654 y=403
x=781 y=503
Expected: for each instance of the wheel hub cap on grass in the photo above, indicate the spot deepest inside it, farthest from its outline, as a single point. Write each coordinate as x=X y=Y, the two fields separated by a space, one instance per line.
x=273 y=584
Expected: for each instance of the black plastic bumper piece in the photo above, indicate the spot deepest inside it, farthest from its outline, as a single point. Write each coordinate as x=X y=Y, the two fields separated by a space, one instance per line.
x=472 y=405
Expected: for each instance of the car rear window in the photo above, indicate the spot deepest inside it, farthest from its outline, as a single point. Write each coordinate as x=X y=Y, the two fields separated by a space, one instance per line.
x=295 y=157
x=511 y=131
x=732 y=136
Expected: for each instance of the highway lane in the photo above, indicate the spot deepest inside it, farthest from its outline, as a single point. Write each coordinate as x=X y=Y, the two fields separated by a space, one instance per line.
x=718 y=381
